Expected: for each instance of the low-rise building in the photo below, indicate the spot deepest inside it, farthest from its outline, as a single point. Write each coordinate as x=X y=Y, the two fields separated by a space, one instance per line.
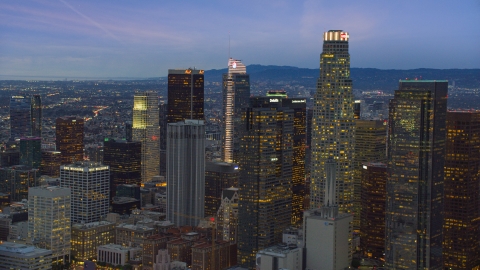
x=20 y=256
x=87 y=237
x=281 y=256
x=132 y=235
x=117 y=254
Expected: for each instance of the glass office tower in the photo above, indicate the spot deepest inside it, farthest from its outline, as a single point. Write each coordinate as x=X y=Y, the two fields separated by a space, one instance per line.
x=415 y=184
x=333 y=125
x=185 y=95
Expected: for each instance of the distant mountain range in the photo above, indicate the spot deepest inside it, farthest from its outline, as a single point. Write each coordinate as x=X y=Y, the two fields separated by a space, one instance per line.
x=363 y=78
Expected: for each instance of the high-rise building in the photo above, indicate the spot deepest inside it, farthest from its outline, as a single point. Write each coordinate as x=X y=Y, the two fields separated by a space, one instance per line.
x=265 y=162
x=49 y=220
x=461 y=246
x=218 y=176
x=20 y=117
x=278 y=99
x=89 y=183
x=186 y=172
x=333 y=125
x=415 y=184
x=185 y=95
x=372 y=212
x=227 y=216
x=36 y=116
x=236 y=94
x=147 y=131
x=124 y=159
x=16 y=180
x=327 y=231
x=163 y=113
x=370 y=146
x=30 y=151
x=51 y=162
x=69 y=138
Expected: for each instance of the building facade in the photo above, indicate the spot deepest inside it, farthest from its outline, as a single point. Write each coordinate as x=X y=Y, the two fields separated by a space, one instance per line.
x=227 y=216
x=218 y=176
x=146 y=130
x=333 y=125
x=86 y=238
x=186 y=172
x=51 y=162
x=16 y=180
x=265 y=186
x=20 y=256
x=69 y=138
x=236 y=94
x=89 y=183
x=372 y=211
x=124 y=159
x=49 y=220
x=461 y=247
x=20 y=117
x=30 y=151
x=370 y=146
x=185 y=95
x=415 y=184
x=36 y=116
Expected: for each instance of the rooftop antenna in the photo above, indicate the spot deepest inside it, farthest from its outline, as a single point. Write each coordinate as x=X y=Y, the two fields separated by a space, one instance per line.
x=228 y=44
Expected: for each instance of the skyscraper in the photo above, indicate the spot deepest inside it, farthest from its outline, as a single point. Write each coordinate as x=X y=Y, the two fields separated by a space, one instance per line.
x=36 y=116
x=461 y=244
x=124 y=159
x=146 y=130
x=30 y=151
x=69 y=138
x=265 y=188
x=236 y=92
x=415 y=155
x=333 y=125
x=186 y=172
x=20 y=117
x=185 y=95
x=370 y=146
x=218 y=176
x=90 y=190
x=50 y=165
x=49 y=220
x=279 y=100
x=372 y=213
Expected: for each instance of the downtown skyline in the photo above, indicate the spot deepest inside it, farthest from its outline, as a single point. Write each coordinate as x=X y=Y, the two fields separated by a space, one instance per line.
x=68 y=38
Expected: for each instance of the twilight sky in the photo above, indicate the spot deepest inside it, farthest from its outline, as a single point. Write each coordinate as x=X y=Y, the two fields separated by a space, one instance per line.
x=125 y=38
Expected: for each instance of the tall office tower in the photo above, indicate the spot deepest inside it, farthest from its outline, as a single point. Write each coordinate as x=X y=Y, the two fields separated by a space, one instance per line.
x=162 y=118
x=415 y=155
x=357 y=109
x=265 y=162
x=370 y=146
x=218 y=176
x=236 y=92
x=327 y=231
x=89 y=182
x=69 y=138
x=20 y=117
x=16 y=180
x=36 y=116
x=49 y=220
x=128 y=131
x=147 y=131
x=185 y=95
x=124 y=159
x=461 y=247
x=51 y=162
x=186 y=172
x=333 y=126
x=372 y=213
x=227 y=216
x=278 y=99
x=30 y=151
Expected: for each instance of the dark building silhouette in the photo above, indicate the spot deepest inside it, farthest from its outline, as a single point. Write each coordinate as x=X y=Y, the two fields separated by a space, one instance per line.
x=124 y=159
x=185 y=95
x=461 y=229
x=218 y=176
x=30 y=151
x=20 y=117
x=51 y=162
x=372 y=210
x=69 y=138
x=415 y=183
x=36 y=116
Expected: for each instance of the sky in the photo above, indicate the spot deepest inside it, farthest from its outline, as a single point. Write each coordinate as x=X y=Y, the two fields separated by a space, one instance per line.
x=127 y=38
